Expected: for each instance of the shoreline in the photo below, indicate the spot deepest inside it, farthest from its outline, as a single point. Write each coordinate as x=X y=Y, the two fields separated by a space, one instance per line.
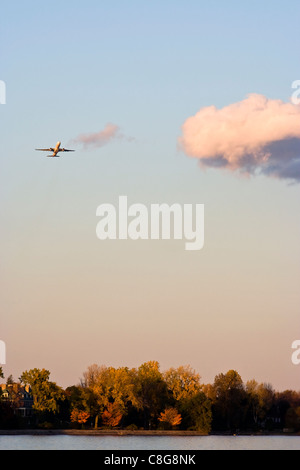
x=97 y=432
x=126 y=432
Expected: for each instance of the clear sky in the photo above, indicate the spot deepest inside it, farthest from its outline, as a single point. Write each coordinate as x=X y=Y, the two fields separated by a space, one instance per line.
x=69 y=300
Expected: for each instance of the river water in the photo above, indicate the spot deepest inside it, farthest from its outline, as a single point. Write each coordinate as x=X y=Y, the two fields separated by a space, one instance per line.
x=66 y=442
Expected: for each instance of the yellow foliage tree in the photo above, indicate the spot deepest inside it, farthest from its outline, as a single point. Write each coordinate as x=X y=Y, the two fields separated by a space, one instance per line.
x=108 y=385
x=183 y=382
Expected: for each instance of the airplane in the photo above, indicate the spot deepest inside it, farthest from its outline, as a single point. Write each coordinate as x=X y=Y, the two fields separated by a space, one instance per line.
x=55 y=150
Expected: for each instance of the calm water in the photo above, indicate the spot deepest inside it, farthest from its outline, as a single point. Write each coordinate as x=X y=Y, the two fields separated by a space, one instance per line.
x=149 y=443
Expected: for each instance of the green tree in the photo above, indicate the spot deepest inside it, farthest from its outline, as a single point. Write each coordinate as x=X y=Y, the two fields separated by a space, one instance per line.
x=46 y=394
x=261 y=399
x=292 y=418
x=228 y=398
x=197 y=413
x=285 y=400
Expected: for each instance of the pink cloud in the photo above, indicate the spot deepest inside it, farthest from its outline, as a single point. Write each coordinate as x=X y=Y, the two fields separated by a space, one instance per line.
x=110 y=133
x=254 y=134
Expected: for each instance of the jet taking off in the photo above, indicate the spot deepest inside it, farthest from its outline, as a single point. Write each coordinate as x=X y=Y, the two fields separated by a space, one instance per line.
x=55 y=150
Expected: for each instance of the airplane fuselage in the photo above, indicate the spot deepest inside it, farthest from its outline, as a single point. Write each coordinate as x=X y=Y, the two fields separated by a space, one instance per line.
x=56 y=149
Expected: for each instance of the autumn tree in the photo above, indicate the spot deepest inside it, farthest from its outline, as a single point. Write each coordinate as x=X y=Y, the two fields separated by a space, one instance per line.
x=79 y=416
x=195 y=407
x=91 y=391
x=170 y=418
x=91 y=375
x=122 y=387
x=183 y=382
x=151 y=391
x=109 y=385
x=112 y=415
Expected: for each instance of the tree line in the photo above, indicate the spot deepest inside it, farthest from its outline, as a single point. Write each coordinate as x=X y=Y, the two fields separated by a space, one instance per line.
x=146 y=398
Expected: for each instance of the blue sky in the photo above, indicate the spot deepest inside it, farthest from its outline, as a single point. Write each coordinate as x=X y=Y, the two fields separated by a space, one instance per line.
x=71 y=68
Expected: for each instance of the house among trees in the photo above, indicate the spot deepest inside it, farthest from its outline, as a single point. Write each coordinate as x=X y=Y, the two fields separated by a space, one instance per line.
x=19 y=398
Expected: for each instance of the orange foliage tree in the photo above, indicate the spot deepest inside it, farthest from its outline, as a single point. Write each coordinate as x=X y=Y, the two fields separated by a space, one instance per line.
x=78 y=416
x=170 y=417
x=112 y=416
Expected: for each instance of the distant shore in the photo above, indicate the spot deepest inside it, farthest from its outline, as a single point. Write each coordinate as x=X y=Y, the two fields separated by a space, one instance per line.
x=96 y=432
x=127 y=432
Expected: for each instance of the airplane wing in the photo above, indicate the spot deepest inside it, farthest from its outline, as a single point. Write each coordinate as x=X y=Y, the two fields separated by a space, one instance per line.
x=46 y=150
x=66 y=150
